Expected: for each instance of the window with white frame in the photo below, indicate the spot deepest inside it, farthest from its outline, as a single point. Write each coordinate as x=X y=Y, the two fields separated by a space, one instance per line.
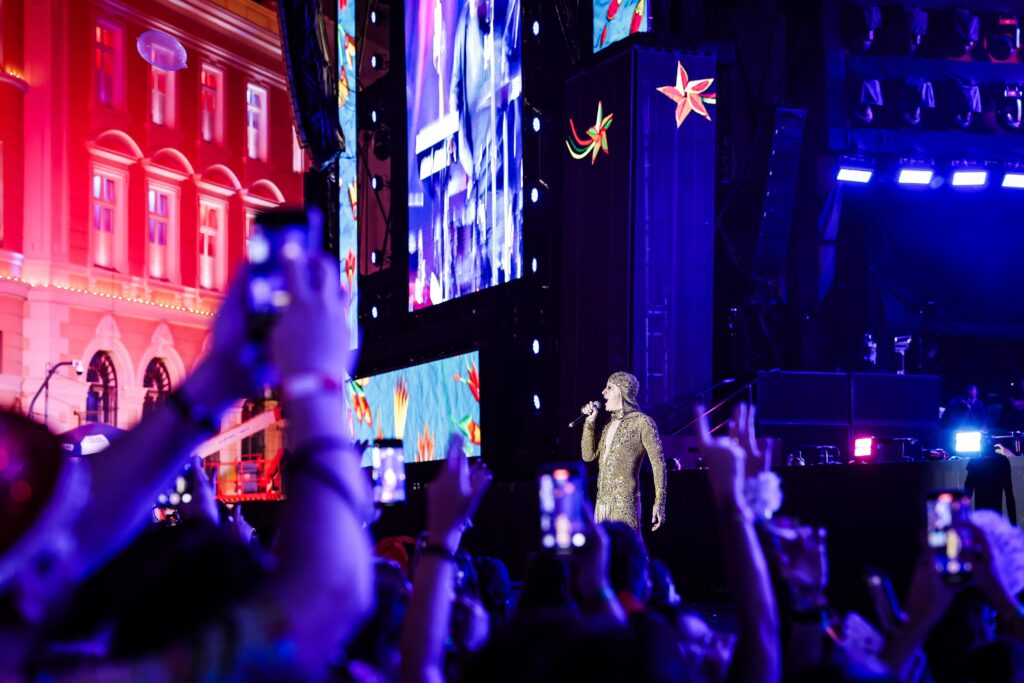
x=211 y=226
x=161 y=213
x=106 y=62
x=161 y=96
x=106 y=217
x=211 y=96
x=256 y=122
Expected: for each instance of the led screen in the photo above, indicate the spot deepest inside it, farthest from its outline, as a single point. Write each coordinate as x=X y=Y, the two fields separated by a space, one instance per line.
x=616 y=19
x=348 y=209
x=422 y=405
x=464 y=88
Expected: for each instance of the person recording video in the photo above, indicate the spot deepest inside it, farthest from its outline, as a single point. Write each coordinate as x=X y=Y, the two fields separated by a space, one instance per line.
x=620 y=451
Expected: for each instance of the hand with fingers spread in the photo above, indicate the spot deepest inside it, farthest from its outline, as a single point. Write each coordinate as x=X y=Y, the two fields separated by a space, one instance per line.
x=452 y=499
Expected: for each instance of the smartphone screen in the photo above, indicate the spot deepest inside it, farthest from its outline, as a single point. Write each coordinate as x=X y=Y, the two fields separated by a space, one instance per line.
x=166 y=509
x=561 y=508
x=274 y=233
x=387 y=462
x=946 y=509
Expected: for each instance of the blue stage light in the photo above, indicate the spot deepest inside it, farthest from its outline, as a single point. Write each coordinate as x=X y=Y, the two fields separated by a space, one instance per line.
x=854 y=175
x=967 y=443
x=1014 y=180
x=969 y=178
x=915 y=176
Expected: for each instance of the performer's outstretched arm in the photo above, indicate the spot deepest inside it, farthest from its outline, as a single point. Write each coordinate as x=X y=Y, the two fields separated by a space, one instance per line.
x=652 y=444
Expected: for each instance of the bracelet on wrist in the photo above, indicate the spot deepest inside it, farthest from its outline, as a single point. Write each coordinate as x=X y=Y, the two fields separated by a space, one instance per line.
x=437 y=550
x=303 y=384
x=190 y=412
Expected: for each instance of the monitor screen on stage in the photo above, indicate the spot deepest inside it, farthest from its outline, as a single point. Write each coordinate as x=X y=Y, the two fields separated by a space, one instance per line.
x=348 y=238
x=421 y=405
x=617 y=19
x=464 y=87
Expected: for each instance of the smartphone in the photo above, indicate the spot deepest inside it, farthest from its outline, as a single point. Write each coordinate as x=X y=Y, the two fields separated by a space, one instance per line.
x=274 y=234
x=387 y=471
x=945 y=510
x=562 y=490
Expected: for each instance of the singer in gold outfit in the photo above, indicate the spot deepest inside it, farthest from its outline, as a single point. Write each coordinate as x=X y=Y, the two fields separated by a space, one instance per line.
x=619 y=452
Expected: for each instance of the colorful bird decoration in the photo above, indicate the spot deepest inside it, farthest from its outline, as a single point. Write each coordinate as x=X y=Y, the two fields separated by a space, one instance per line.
x=596 y=141
x=401 y=395
x=635 y=23
x=360 y=404
x=469 y=429
x=688 y=95
x=473 y=381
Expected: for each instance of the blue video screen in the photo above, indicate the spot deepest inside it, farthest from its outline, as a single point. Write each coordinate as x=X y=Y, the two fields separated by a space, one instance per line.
x=465 y=92
x=421 y=405
x=617 y=19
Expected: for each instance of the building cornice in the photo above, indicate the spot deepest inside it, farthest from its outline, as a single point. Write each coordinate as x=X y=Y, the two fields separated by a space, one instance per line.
x=236 y=28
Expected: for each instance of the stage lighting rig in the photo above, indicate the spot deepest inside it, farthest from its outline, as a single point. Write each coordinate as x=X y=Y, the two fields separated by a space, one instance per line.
x=854 y=171
x=968 y=443
x=1009 y=108
x=963 y=32
x=860 y=25
x=910 y=24
x=1002 y=37
x=966 y=103
x=918 y=95
x=869 y=98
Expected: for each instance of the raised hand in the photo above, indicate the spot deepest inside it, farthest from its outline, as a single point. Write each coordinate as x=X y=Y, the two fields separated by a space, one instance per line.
x=726 y=462
x=798 y=554
x=453 y=497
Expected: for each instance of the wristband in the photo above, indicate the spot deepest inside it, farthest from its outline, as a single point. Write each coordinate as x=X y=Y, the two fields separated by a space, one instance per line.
x=303 y=384
x=189 y=412
x=437 y=550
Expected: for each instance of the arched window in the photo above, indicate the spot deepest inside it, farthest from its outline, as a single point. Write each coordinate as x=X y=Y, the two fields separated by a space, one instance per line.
x=101 y=401
x=157 y=383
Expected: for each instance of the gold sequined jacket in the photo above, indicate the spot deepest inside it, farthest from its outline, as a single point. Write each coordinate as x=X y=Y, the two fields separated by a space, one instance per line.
x=618 y=473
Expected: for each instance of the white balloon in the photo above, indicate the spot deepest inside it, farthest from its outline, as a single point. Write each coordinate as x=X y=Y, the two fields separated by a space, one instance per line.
x=161 y=50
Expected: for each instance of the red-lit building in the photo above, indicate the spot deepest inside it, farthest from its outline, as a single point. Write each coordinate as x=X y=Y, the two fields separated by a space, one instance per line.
x=126 y=192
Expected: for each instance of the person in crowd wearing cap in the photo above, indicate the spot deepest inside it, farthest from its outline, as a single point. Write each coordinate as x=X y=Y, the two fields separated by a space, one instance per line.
x=620 y=451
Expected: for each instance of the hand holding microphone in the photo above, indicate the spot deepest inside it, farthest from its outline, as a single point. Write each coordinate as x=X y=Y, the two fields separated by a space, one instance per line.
x=589 y=412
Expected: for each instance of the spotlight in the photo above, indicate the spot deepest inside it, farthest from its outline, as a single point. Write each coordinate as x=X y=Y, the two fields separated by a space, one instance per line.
x=966 y=105
x=535 y=195
x=917 y=95
x=870 y=96
x=1002 y=39
x=533 y=264
x=373 y=16
x=536 y=402
x=864 y=447
x=915 y=176
x=536 y=28
x=377 y=182
x=378 y=61
x=963 y=33
x=911 y=25
x=373 y=312
x=1009 y=109
x=860 y=24
x=848 y=174
x=969 y=178
x=967 y=442
x=377 y=257
x=536 y=124
x=536 y=347
x=1014 y=180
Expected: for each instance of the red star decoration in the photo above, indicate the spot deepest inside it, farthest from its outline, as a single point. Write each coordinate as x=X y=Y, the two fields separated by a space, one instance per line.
x=688 y=95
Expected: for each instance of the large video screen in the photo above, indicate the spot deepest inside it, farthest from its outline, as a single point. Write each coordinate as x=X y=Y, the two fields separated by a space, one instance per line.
x=348 y=238
x=422 y=405
x=464 y=86
x=616 y=19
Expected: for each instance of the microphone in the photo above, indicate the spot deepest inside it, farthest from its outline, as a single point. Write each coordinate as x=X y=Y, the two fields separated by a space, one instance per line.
x=583 y=416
